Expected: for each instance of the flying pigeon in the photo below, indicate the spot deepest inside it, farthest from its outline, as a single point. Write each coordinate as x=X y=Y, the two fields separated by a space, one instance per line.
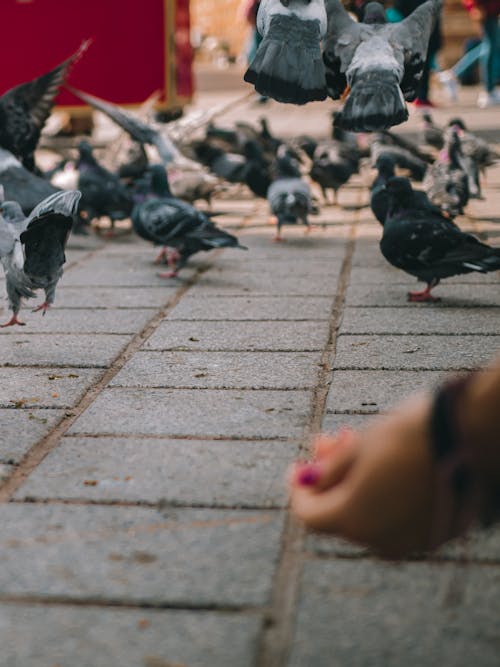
x=423 y=242
x=25 y=108
x=288 y=65
x=289 y=196
x=375 y=66
x=178 y=227
x=32 y=248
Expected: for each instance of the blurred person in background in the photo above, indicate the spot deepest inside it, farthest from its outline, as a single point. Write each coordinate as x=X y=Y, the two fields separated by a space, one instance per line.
x=486 y=13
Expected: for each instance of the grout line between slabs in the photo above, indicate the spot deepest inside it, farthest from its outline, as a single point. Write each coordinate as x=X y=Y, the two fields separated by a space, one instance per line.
x=278 y=633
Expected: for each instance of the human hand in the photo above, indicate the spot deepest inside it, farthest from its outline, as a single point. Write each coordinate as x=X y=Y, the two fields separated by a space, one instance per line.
x=374 y=486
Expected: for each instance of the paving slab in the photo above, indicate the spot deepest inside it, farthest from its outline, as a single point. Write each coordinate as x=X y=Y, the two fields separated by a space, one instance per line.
x=167 y=557
x=22 y=429
x=252 y=336
x=451 y=295
x=116 y=297
x=197 y=413
x=269 y=282
x=374 y=391
x=367 y=613
x=414 y=352
x=121 y=276
x=44 y=387
x=70 y=350
x=178 y=472
x=252 y=308
x=86 y=320
x=332 y=422
x=220 y=370
x=59 y=635
x=451 y=321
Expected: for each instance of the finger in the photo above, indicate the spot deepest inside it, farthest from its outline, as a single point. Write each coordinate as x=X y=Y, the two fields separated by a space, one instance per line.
x=325 y=443
x=326 y=472
x=320 y=511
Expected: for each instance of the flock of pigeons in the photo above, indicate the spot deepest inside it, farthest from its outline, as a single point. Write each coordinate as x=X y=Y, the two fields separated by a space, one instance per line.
x=39 y=210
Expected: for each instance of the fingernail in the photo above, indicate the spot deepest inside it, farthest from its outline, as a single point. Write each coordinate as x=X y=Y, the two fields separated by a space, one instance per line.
x=309 y=475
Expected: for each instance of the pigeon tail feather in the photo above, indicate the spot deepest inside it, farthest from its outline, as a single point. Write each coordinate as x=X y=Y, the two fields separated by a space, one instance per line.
x=375 y=103
x=288 y=65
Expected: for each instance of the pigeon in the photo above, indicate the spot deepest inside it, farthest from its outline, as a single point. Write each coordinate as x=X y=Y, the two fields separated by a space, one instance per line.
x=288 y=65
x=477 y=156
x=375 y=66
x=432 y=134
x=175 y=225
x=289 y=196
x=103 y=194
x=423 y=242
x=333 y=164
x=25 y=108
x=446 y=181
x=379 y=196
x=22 y=185
x=32 y=248
x=404 y=158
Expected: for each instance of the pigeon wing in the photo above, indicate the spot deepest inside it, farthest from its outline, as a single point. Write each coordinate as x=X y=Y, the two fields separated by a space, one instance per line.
x=411 y=36
x=343 y=38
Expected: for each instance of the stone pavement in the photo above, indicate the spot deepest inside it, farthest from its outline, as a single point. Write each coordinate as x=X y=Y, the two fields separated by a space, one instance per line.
x=146 y=429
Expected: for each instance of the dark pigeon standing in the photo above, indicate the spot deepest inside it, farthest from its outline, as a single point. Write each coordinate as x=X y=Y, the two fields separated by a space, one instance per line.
x=25 y=108
x=379 y=195
x=32 y=249
x=432 y=134
x=288 y=65
x=406 y=155
x=289 y=196
x=103 y=194
x=375 y=66
x=178 y=227
x=423 y=242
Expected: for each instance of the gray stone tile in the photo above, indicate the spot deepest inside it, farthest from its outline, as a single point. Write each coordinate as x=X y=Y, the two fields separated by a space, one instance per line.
x=333 y=422
x=71 y=350
x=45 y=636
x=21 y=429
x=427 y=321
x=44 y=387
x=252 y=308
x=220 y=282
x=451 y=294
x=139 y=555
x=363 y=613
x=122 y=275
x=316 y=245
x=79 y=320
x=115 y=297
x=179 y=472
x=414 y=352
x=374 y=391
x=220 y=370
x=252 y=336
x=202 y=413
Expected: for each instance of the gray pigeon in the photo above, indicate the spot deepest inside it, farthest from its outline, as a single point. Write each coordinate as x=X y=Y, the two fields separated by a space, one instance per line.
x=375 y=65
x=32 y=248
x=289 y=196
x=288 y=65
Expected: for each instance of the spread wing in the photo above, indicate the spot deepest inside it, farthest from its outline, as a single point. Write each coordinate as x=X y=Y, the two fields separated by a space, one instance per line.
x=343 y=38
x=411 y=37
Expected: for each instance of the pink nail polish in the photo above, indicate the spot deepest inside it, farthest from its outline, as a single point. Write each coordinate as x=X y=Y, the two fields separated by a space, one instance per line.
x=309 y=475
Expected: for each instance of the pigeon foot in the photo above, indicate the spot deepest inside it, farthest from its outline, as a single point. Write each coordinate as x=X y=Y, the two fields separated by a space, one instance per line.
x=168 y=274
x=161 y=256
x=423 y=297
x=43 y=307
x=13 y=320
x=279 y=239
